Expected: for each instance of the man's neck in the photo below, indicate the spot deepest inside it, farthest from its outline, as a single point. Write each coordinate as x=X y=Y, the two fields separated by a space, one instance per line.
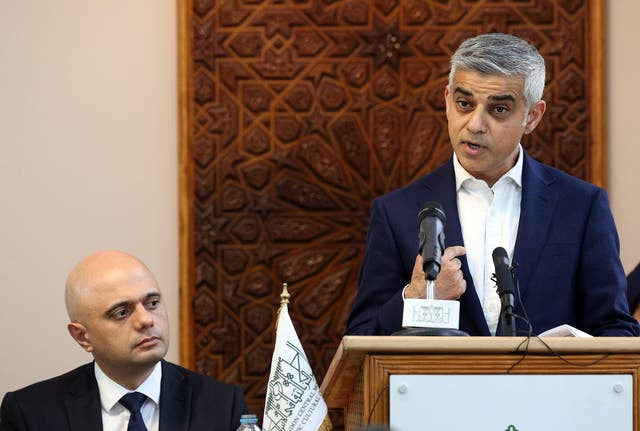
x=130 y=378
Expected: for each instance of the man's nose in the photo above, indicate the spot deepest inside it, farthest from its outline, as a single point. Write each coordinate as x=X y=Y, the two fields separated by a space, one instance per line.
x=142 y=317
x=477 y=121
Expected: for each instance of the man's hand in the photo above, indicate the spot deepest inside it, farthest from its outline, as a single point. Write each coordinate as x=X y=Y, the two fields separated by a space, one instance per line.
x=450 y=283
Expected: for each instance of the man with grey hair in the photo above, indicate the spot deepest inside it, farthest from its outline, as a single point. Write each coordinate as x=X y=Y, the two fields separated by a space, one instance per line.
x=117 y=314
x=558 y=228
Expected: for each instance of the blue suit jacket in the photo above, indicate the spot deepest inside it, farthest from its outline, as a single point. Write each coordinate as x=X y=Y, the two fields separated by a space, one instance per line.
x=567 y=249
x=188 y=402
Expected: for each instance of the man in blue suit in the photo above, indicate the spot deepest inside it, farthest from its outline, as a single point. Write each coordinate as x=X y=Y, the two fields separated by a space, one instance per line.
x=558 y=228
x=117 y=314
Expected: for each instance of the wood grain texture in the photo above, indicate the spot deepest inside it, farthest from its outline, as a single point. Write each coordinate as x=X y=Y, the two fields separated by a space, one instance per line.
x=358 y=378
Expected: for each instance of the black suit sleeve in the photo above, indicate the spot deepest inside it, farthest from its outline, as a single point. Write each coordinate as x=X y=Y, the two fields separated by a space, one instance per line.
x=377 y=309
x=10 y=414
x=239 y=408
x=602 y=305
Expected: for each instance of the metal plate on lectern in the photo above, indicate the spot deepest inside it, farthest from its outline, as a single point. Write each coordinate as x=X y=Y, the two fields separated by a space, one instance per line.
x=511 y=402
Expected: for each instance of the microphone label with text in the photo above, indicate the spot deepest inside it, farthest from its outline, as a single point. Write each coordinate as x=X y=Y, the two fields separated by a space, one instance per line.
x=430 y=313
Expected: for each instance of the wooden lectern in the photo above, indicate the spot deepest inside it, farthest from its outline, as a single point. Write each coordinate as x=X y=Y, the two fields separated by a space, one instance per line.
x=358 y=378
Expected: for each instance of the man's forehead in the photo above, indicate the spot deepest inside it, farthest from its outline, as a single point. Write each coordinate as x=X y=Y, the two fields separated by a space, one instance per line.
x=475 y=84
x=123 y=286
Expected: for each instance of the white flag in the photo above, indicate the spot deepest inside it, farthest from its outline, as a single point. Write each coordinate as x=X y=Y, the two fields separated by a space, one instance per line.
x=293 y=401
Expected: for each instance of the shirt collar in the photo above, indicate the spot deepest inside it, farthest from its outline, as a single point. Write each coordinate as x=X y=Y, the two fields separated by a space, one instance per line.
x=111 y=392
x=515 y=173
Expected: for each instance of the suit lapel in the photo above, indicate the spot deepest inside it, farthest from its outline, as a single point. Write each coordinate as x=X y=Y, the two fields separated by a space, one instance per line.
x=175 y=400
x=441 y=187
x=83 y=401
x=538 y=203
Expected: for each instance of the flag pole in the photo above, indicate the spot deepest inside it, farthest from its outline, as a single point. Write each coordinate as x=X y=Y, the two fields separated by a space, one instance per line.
x=284 y=296
x=284 y=300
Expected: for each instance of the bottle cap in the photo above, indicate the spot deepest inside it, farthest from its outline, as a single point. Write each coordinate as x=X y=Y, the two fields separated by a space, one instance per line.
x=248 y=419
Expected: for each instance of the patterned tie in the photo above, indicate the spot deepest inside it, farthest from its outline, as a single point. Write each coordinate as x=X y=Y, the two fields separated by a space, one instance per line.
x=133 y=401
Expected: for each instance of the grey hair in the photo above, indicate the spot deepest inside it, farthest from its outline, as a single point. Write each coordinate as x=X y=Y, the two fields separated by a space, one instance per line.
x=502 y=54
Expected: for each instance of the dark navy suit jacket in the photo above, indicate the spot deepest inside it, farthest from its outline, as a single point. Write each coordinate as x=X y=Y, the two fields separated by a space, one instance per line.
x=188 y=402
x=567 y=249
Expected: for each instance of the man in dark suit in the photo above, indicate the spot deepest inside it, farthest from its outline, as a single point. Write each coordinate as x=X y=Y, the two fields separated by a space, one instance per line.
x=118 y=315
x=558 y=228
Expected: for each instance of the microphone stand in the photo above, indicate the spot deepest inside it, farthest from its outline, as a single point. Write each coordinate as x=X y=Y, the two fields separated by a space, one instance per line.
x=430 y=316
x=507 y=318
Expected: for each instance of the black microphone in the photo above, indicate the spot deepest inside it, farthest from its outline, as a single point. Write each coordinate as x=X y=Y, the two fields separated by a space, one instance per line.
x=431 y=220
x=506 y=292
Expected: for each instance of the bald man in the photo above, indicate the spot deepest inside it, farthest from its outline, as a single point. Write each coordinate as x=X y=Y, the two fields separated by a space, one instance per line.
x=117 y=314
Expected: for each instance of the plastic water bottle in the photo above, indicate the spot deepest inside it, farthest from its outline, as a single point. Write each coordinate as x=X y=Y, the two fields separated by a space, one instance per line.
x=248 y=423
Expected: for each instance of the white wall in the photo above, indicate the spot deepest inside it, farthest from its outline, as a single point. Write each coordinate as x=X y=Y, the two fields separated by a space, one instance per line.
x=88 y=138
x=623 y=33
x=88 y=133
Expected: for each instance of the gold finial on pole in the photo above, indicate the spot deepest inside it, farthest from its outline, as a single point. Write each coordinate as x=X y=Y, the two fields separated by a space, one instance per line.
x=284 y=296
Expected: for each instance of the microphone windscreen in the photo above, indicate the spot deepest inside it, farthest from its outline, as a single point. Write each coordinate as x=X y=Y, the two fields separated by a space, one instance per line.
x=500 y=256
x=432 y=209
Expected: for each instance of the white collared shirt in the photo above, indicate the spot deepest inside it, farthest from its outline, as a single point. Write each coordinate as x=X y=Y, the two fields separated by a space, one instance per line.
x=489 y=218
x=115 y=417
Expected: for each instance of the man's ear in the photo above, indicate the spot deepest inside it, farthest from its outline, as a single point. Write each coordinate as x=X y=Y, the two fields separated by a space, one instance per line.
x=536 y=111
x=79 y=333
x=446 y=99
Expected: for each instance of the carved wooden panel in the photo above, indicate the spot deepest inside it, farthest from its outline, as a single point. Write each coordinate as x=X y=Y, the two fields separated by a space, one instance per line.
x=295 y=114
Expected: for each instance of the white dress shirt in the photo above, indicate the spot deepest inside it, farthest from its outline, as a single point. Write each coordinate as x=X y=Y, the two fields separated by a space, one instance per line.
x=489 y=218
x=115 y=417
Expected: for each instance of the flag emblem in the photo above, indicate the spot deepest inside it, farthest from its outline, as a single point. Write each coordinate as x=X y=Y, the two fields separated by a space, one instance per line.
x=293 y=401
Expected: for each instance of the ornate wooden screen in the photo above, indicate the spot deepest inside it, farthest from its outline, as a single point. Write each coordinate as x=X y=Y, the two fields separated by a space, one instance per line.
x=295 y=114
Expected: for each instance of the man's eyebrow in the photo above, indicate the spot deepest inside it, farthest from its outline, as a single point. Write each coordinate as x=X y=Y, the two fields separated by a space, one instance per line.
x=150 y=295
x=153 y=295
x=495 y=98
x=463 y=91
x=503 y=98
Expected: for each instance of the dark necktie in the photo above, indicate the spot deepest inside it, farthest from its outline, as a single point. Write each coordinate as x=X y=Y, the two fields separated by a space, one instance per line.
x=133 y=401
